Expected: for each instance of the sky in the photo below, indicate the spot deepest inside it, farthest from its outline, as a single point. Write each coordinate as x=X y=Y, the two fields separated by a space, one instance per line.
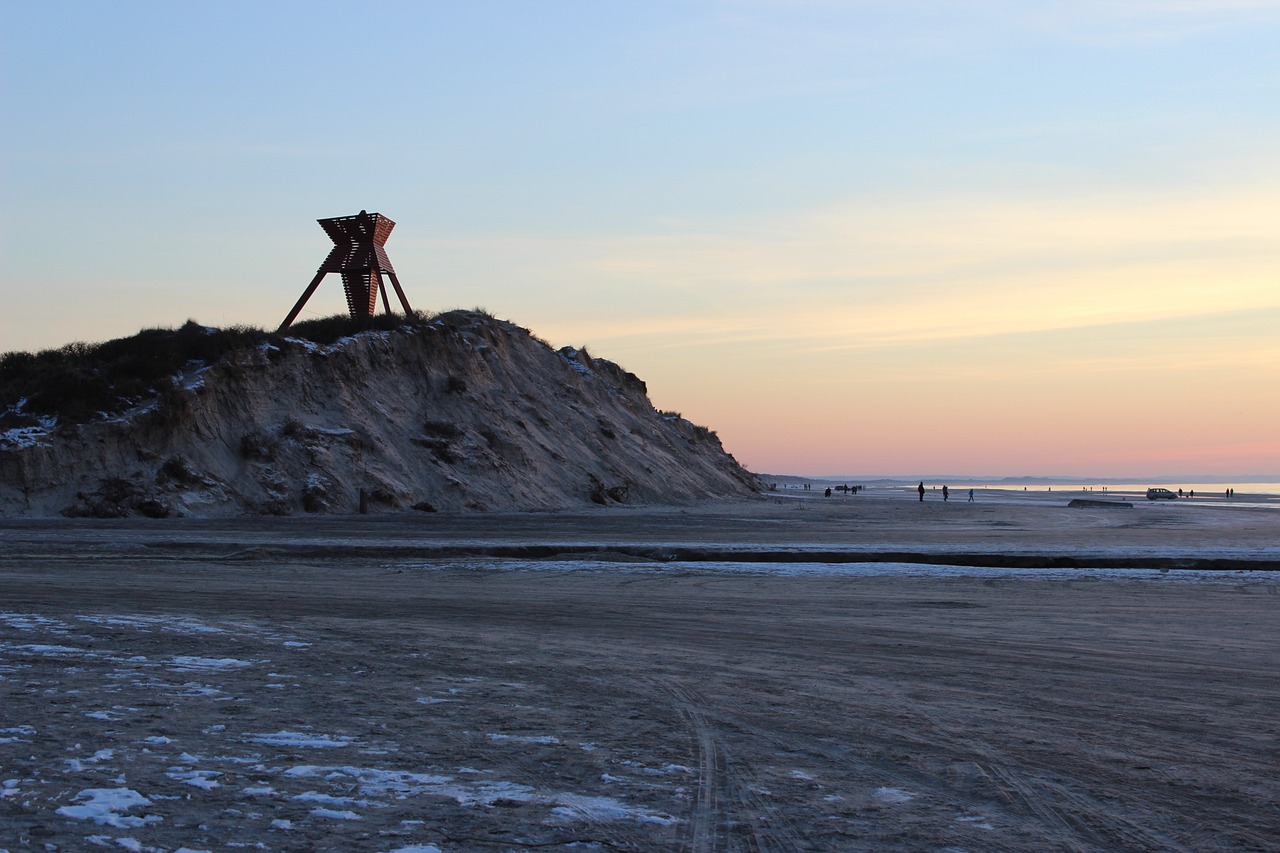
x=872 y=237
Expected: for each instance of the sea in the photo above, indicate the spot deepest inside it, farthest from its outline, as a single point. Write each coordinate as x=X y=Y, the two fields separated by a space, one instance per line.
x=1206 y=489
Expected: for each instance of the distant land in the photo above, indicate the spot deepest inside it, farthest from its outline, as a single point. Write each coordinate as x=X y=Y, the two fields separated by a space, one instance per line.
x=1224 y=479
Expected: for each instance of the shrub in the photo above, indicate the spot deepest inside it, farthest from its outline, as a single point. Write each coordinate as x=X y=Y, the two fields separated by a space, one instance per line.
x=78 y=381
x=327 y=330
x=705 y=433
x=177 y=469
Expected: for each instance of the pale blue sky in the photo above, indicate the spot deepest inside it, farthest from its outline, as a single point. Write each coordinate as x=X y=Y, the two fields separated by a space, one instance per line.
x=862 y=236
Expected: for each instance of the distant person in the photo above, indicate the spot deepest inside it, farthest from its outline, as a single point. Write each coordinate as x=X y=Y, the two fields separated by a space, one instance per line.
x=971 y=496
x=920 y=489
x=946 y=494
x=1179 y=492
x=1191 y=494
x=827 y=493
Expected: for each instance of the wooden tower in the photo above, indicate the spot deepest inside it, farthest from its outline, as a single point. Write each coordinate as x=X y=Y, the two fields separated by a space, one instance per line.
x=359 y=256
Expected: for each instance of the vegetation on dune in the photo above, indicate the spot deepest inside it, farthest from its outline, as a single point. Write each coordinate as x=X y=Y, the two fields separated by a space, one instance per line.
x=80 y=381
x=328 y=330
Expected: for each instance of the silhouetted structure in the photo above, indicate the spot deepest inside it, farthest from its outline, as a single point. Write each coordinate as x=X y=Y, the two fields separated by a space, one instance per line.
x=358 y=255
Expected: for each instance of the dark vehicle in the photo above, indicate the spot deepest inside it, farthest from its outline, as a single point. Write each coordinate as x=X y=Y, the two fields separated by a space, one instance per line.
x=1161 y=495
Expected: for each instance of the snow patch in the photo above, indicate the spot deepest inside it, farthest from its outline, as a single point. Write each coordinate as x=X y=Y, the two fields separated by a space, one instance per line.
x=20 y=438
x=180 y=624
x=374 y=783
x=543 y=739
x=977 y=821
x=577 y=807
x=46 y=650
x=103 y=806
x=32 y=622
x=335 y=814
x=192 y=378
x=329 y=799
x=189 y=662
x=570 y=356
x=203 y=779
x=334 y=432
x=308 y=346
x=17 y=734
x=312 y=741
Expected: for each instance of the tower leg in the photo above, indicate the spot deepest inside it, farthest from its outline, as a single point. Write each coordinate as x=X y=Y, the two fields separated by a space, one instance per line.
x=395 y=282
x=306 y=294
x=382 y=288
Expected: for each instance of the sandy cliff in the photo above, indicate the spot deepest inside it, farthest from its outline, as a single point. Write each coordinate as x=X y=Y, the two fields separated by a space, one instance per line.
x=460 y=412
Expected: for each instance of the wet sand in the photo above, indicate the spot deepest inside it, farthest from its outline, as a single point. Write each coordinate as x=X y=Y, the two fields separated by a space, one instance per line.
x=406 y=682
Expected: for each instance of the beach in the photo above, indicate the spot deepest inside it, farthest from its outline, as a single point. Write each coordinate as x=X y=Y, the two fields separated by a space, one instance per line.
x=797 y=672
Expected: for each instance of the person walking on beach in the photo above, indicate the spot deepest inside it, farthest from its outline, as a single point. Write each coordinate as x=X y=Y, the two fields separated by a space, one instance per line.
x=920 y=489
x=971 y=496
x=946 y=494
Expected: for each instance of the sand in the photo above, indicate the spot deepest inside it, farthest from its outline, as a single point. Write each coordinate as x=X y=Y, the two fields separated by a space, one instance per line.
x=505 y=682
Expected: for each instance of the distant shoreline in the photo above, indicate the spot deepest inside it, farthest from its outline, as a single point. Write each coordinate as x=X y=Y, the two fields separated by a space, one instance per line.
x=1117 y=488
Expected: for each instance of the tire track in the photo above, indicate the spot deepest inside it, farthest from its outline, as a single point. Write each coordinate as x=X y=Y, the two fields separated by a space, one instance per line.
x=726 y=802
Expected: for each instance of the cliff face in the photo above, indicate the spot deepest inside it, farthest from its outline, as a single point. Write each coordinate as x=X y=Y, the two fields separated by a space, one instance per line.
x=464 y=412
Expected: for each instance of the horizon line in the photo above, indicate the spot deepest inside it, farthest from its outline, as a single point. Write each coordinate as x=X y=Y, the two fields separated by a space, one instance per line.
x=1225 y=479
